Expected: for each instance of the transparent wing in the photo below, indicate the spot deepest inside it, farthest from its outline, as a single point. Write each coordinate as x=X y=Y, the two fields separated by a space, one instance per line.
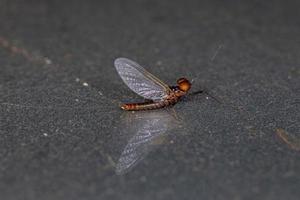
x=140 y=81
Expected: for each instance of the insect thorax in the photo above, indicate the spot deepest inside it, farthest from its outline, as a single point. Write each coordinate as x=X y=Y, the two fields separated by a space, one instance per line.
x=174 y=88
x=176 y=92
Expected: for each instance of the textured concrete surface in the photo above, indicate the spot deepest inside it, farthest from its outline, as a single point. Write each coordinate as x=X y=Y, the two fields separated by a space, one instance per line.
x=62 y=135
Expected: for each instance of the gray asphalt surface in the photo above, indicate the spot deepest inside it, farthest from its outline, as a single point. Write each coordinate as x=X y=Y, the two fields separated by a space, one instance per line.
x=63 y=136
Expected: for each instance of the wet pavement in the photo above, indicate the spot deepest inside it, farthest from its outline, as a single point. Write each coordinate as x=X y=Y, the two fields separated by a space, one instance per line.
x=63 y=135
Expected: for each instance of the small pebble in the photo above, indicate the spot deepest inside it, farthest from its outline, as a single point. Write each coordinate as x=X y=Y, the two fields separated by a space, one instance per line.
x=48 y=61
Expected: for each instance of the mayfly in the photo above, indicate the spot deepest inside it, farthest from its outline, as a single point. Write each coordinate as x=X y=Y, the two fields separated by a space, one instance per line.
x=157 y=93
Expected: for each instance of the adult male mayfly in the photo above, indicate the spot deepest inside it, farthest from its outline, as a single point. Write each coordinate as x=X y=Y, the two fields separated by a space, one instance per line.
x=145 y=84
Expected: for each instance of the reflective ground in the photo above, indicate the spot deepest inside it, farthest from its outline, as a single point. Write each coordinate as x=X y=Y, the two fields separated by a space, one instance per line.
x=63 y=135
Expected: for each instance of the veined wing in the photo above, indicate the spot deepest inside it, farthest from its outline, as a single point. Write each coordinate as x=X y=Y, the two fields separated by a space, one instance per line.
x=141 y=81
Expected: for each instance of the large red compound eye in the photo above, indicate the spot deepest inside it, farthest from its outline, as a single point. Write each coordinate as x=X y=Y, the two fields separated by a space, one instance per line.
x=184 y=84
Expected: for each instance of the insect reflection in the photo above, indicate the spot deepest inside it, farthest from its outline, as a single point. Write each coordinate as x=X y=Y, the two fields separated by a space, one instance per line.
x=292 y=141
x=150 y=129
x=157 y=93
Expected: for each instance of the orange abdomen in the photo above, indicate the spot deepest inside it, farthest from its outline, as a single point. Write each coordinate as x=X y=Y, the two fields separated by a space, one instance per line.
x=148 y=105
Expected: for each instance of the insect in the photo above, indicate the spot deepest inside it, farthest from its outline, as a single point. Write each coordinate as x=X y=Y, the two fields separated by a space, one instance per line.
x=157 y=93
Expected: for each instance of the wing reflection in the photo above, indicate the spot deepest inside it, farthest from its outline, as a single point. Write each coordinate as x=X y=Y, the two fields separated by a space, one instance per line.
x=149 y=129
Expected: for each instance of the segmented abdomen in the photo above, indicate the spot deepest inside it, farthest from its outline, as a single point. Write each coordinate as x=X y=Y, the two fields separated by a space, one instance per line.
x=148 y=105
